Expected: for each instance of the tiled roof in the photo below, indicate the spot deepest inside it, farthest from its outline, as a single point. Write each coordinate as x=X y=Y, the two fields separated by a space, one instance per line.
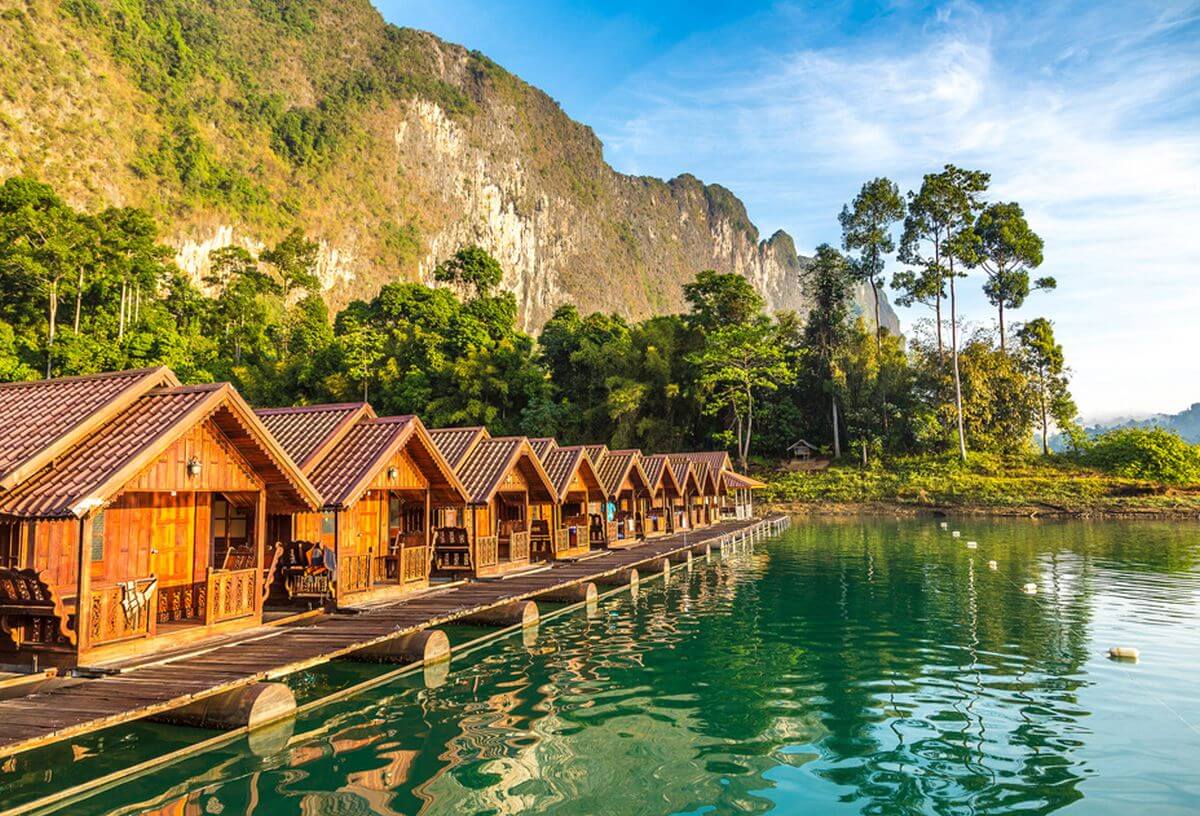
x=596 y=452
x=659 y=475
x=717 y=460
x=358 y=457
x=99 y=466
x=737 y=480
x=489 y=462
x=309 y=432
x=705 y=476
x=562 y=465
x=456 y=443
x=40 y=420
x=685 y=473
x=616 y=466
x=542 y=445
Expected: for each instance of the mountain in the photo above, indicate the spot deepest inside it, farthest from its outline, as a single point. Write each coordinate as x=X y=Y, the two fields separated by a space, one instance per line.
x=1186 y=423
x=234 y=120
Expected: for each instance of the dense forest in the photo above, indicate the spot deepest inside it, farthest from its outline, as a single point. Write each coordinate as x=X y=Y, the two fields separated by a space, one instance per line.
x=93 y=291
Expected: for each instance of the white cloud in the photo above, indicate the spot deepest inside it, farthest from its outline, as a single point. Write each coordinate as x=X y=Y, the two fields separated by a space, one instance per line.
x=1094 y=132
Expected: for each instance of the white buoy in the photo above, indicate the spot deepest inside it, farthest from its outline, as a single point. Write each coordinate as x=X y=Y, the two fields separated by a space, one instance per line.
x=1123 y=653
x=944 y=525
x=993 y=565
x=955 y=534
x=1030 y=589
x=972 y=545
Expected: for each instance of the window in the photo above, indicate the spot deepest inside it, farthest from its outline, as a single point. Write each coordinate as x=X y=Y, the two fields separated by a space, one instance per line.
x=10 y=544
x=97 y=540
x=232 y=526
x=394 y=517
x=328 y=524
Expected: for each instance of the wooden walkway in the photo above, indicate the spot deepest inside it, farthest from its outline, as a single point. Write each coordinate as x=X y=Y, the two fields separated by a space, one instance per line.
x=269 y=652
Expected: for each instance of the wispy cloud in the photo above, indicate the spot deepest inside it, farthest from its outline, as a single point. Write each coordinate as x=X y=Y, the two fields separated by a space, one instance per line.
x=1087 y=115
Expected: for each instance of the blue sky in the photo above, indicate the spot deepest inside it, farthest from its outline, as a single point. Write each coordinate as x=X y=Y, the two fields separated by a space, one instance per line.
x=1088 y=114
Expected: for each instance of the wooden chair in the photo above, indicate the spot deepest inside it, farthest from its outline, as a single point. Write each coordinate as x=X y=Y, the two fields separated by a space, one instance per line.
x=239 y=558
x=30 y=611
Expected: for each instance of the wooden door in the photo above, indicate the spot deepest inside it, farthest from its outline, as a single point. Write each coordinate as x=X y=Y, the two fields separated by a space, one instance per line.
x=171 y=558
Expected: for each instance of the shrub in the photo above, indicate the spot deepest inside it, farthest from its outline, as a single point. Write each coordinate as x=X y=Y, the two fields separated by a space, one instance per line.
x=1146 y=453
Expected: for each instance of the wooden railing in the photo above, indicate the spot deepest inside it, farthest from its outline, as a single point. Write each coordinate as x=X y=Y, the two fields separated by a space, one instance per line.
x=231 y=594
x=562 y=540
x=182 y=602
x=603 y=533
x=518 y=545
x=487 y=551
x=354 y=574
x=114 y=615
x=541 y=541
x=414 y=564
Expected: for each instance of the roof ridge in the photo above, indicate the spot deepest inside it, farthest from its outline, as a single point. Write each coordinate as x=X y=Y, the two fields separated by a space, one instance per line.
x=304 y=409
x=100 y=375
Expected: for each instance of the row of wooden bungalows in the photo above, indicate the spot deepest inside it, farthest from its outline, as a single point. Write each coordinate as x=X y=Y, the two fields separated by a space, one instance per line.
x=138 y=514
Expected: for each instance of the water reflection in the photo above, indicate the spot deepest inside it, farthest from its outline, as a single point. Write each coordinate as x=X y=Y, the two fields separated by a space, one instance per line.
x=867 y=667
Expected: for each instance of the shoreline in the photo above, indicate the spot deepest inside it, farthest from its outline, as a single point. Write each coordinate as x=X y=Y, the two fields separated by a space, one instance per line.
x=899 y=509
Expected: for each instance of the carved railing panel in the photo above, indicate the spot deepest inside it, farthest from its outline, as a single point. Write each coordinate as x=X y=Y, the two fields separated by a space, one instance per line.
x=562 y=540
x=354 y=573
x=518 y=546
x=120 y=611
x=231 y=594
x=182 y=602
x=414 y=564
x=452 y=548
x=487 y=551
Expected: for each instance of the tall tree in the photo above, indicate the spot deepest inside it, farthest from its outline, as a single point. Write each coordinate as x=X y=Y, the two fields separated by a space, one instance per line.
x=43 y=242
x=1003 y=245
x=721 y=299
x=939 y=216
x=828 y=280
x=737 y=363
x=1043 y=359
x=295 y=261
x=471 y=269
x=867 y=229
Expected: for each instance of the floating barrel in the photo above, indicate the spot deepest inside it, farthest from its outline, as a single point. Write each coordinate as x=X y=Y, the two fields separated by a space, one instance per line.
x=1030 y=589
x=993 y=565
x=517 y=613
x=250 y=706
x=1124 y=653
x=428 y=645
x=619 y=578
x=576 y=593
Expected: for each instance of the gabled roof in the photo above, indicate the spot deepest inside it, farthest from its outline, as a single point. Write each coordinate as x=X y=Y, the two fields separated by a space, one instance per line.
x=542 y=445
x=563 y=463
x=309 y=432
x=490 y=460
x=363 y=452
x=717 y=460
x=455 y=443
x=659 y=474
x=685 y=474
x=596 y=453
x=99 y=466
x=617 y=466
x=736 y=481
x=41 y=420
x=706 y=477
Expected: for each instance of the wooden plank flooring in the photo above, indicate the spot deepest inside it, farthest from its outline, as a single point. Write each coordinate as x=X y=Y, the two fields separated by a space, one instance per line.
x=143 y=688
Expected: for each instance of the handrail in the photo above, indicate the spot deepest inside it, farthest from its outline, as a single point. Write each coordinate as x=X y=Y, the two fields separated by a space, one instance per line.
x=115 y=615
x=231 y=594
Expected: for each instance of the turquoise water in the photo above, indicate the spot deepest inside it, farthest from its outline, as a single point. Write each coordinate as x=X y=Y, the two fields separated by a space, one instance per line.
x=851 y=667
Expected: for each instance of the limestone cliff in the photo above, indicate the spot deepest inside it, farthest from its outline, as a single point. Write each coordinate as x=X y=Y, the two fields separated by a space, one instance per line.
x=233 y=120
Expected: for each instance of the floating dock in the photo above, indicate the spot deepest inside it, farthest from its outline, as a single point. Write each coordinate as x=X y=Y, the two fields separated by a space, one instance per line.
x=157 y=685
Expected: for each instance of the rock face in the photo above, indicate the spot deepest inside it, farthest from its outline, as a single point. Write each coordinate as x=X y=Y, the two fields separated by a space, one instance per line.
x=432 y=147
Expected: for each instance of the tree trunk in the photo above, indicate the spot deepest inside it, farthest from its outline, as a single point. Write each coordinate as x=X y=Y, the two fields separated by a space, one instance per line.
x=51 y=325
x=745 y=448
x=121 y=322
x=1045 y=419
x=78 y=300
x=1001 y=307
x=837 y=442
x=883 y=417
x=962 y=437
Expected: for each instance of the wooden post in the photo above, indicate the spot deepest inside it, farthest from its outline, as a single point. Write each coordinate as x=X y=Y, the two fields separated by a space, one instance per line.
x=260 y=542
x=83 y=587
x=428 y=540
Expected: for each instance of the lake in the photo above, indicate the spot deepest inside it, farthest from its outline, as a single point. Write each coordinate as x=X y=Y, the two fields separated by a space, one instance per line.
x=857 y=666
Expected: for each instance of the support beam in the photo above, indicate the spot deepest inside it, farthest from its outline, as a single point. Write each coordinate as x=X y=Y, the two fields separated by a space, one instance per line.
x=249 y=706
x=517 y=613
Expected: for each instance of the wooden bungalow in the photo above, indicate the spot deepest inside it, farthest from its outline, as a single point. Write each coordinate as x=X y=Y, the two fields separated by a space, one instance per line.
x=740 y=493
x=704 y=507
x=379 y=480
x=579 y=506
x=504 y=481
x=689 y=490
x=133 y=515
x=663 y=492
x=627 y=487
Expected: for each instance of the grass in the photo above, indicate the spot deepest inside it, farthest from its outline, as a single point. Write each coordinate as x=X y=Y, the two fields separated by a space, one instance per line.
x=983 y=484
